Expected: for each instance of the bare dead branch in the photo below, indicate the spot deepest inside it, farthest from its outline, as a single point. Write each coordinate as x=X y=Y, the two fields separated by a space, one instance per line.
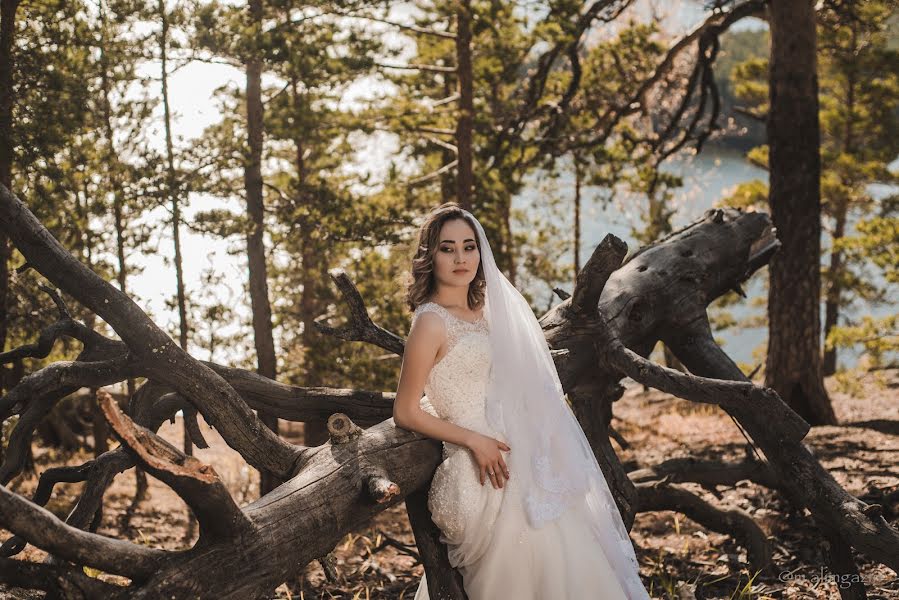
x=141 y=491
x=360 y=327
x=724 y=393
x=64 y=326
x=44 y=530
x=438 y=142
x=64 y=377
x=734 y=522
x=48 y=479
x=709 y=30
x=413 y=28
x=725 y=242
x=193 y=428
x=297 y=403
x=435 y=130
x=197 y=483
x=414 y=67
x=58 y=580
x=36 y=395
x=44 y=345
x=160 y=356
x=447 y=100
x=44 y=388
x=593 y=276
x=151 y=406
x=707 y=473
x=390 y=541
x=435 y=175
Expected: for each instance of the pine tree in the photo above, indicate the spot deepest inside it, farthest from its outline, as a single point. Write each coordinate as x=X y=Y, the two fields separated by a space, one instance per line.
x=858 y=78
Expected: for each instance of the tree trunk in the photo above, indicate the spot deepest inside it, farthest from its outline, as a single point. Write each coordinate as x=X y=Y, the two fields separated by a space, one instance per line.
x=172 y=181
x=315 y=432
x=465 y=177
x=793 y=366
x=172 y=191
x=262 y=310
x=447 y=178
x=101 y=432
x=7 y=145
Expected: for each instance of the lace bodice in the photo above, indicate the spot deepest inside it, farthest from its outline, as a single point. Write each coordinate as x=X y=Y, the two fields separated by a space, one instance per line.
x=456 y=391
x=456 y=385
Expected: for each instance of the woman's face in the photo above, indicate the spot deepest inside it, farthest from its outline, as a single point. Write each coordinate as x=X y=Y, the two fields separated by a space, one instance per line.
x=457 y=259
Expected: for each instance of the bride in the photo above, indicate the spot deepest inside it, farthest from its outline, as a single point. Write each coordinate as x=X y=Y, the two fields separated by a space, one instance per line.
x=546 y=526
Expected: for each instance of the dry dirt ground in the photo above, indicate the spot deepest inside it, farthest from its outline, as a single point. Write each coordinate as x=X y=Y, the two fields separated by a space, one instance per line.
x=862 y=454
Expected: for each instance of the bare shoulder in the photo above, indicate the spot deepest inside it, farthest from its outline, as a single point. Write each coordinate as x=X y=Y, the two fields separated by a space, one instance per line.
x=426 y=338
x=429 y=325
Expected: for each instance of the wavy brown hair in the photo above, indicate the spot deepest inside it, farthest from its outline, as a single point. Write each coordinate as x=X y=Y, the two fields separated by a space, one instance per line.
x=423 y=283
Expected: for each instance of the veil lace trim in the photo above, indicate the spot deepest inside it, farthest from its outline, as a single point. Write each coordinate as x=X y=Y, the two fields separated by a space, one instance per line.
x=550 y=454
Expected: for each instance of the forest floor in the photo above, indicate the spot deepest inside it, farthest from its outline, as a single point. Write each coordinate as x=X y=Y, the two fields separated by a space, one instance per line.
x=862 y=454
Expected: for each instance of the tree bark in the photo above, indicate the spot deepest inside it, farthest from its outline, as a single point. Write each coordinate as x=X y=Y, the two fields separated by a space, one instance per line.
x=315 y=432
x=101 y=431
x=793 y=365
x=7 y=150
x=172 y=180
x=448 y=155
x=259 y=300
x=172 y=191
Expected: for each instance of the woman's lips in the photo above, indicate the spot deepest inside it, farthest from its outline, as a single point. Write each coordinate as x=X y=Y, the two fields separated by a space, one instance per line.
x=460 y=270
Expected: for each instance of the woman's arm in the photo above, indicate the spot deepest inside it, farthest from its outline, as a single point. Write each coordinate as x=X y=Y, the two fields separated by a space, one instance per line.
x=427 y=336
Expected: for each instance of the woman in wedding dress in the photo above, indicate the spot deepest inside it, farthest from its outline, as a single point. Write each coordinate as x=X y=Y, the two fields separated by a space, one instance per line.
x=519 y=498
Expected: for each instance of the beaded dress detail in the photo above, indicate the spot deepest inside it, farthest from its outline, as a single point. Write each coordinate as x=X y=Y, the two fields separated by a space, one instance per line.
x=485 y=529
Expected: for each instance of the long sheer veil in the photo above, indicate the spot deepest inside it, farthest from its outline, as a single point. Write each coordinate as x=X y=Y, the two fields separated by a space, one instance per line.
x=550 y=455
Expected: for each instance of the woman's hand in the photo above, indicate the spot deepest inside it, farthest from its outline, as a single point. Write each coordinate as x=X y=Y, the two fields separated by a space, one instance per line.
x=486 y=452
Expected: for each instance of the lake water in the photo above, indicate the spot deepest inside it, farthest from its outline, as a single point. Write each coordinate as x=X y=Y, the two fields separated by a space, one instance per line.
x=707 y=178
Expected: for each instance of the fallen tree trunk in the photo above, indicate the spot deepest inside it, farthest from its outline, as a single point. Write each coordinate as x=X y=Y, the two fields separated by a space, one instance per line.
x=334 y=488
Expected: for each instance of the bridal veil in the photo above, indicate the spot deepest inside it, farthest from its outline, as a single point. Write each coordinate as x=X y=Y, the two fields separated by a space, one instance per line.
x=550 y=454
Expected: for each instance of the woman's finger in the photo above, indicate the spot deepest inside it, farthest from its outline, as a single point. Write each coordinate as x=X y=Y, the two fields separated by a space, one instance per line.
x=497 y=476
x=502 y=465
x=481 y=476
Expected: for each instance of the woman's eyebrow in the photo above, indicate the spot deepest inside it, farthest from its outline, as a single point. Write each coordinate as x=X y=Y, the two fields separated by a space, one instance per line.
x=451 y=241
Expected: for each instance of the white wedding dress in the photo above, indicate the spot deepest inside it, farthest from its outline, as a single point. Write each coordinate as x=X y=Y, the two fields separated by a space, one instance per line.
x=498 y=553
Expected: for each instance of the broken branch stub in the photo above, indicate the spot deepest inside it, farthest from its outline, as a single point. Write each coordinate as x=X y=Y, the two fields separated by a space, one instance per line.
x=196 y=482
x=341 y=429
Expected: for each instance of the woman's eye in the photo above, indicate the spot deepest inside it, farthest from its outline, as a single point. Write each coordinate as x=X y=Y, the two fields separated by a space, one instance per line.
x=471 y=248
